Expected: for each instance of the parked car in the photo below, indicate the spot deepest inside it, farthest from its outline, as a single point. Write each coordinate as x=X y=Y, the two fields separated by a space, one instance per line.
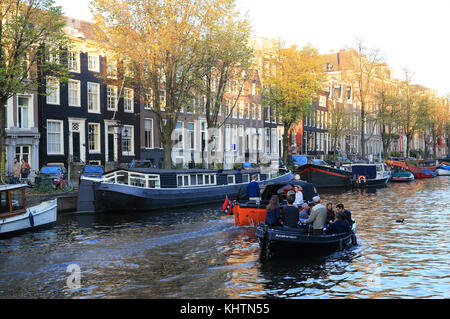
x=56 y=173
x=92 y=171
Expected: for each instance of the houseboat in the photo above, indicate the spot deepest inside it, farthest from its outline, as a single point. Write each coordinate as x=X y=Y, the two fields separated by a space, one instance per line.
x=15 y=216
x=144 y=189
x=324 y=176
x=369 y=175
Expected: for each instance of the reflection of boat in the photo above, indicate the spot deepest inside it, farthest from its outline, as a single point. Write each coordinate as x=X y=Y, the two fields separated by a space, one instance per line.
x=402 y=177
x=370 y=175
x=443 y=170
x=298 y=241
x=143 y=189
x=252 y=213
x=14 y=214
x=325 y=176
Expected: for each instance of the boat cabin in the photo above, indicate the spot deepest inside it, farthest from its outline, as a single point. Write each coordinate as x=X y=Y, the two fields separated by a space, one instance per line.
x=184 y=178
x=12 y=200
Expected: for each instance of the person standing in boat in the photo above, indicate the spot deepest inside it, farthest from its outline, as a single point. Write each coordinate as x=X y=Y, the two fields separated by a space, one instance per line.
x=318 y=216
x=273 y=217
x=253 y=190
x=298 y=197
x=289 y=213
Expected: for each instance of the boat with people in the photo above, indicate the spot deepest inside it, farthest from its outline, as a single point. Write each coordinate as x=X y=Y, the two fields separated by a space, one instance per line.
x=402 y=177
x=15 y=216
x=443 y=170
x=300 y=241
x=144 y=189
x=251 y=212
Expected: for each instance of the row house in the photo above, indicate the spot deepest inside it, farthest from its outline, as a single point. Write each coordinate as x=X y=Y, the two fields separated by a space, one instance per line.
x=86 y=120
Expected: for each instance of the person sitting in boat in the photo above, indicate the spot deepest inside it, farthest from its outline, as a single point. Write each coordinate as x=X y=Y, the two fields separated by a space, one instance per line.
x=304 y=214
x=298 y=197
x=253 y=190
x=289 y=213
x=330 y=213
x=273 y=217
x=340 y=225
x=318 y=216
x=348 y=214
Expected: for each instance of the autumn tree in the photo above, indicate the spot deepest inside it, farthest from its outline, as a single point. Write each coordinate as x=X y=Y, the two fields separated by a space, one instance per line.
x=162 y=40
x=32 y=41
x=290 y=85
x=366 y=62
x=340 y=123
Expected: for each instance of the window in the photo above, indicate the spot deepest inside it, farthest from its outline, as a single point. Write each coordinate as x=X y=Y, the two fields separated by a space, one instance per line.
x=93 y=97
x=93 y=63
x=179 y=135
x=111 y=98
x=148 y=101
x=73 y=61
x=23 y=152
x=52 y=90
x=186 y=180
x=128 y=96
x=111 y=69
x=127 y=140
x=191 y=136
x=74 y=93
x=22 y=111
x=162 y=99
x=55 y=137
x=231 y=179
x=94 y=137
x=148 y=133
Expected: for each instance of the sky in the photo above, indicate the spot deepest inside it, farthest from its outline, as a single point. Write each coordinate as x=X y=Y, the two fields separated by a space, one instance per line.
x=410 y=33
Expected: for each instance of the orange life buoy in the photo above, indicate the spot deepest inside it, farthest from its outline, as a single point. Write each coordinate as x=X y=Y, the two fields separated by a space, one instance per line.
x=361 y=178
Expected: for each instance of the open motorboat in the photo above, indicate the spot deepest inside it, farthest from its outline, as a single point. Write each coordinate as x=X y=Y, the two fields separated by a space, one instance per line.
x=402 y=177
x=299 y=241
x=15 y=216
x=251 y=213
x=443 y=170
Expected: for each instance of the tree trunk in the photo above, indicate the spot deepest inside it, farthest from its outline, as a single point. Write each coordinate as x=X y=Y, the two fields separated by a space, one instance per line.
x=3 y=101
x=285 y=143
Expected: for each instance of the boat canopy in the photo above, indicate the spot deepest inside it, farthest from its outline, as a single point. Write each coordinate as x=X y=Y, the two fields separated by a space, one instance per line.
x=299 y=159
x=309 y=191
x=370 y=171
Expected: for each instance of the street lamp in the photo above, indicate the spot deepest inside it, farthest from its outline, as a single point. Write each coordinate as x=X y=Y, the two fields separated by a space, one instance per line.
x=91 y=131
x=118 y=130
x=257 y=146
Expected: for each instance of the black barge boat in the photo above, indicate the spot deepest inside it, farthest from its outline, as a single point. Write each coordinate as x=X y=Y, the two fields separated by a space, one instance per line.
x=144 y=189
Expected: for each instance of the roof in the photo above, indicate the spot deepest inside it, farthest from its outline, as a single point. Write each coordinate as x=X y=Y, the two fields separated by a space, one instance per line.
x=8 y=187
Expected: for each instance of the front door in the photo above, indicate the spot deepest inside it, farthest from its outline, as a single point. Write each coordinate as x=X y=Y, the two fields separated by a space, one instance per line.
x=76 y=147
x=110 y=147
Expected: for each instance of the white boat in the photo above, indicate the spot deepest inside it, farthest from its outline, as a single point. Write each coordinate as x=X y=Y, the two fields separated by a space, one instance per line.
x=443 y=170
x=16 y=216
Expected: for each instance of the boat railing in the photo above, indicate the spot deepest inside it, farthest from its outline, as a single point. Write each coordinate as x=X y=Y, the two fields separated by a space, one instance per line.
x=133 y=179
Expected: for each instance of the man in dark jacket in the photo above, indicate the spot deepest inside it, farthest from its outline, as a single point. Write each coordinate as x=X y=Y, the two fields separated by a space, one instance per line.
x=289 y=213
x=253 y=190
x=339 y=226
x=346 y=212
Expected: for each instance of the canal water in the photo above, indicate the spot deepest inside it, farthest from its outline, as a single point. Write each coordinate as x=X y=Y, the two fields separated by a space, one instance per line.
x=198 y=253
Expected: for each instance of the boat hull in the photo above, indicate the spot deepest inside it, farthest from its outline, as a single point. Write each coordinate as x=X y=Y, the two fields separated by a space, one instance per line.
x=323 y=176
x=43 y=214
x=443 y=172
x=279 y=240
x=381 y=182
x=120 y=197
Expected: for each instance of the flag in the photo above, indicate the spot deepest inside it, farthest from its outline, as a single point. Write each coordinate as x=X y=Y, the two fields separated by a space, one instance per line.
x=226 y=207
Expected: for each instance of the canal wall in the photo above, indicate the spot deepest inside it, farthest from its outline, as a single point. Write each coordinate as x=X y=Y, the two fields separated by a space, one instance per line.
x=67 y=201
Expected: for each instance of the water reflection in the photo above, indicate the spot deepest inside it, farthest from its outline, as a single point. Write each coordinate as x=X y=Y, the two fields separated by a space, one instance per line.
x=198 y=253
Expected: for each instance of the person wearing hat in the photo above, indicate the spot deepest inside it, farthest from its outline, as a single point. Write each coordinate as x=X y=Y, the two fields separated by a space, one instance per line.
x=318 y=216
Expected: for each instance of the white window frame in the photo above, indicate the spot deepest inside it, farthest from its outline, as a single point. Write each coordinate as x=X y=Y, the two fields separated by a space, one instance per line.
x=234 y=179
x=97 y=140
x=77 y=61
x=128 y=100
x=97 y=109
x=78 y=83
x=61 y=137
x=93 y=62
x=54 y=90
x=110 y=97
x=131 y=132
x=151 y=135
